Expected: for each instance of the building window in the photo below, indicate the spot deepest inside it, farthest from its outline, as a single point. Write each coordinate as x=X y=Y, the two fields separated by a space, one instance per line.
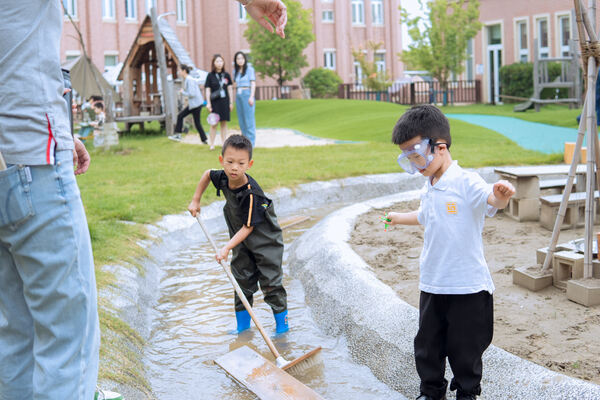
x=70 y=8
x=130 y=9
x=327 y=16
x=108 y=9
x=181 y=11
x=242 y=14
x=329 y=59
x=150 y=4
x=470 y=60
x=522 y=41
x=542 y=35
x=110 y=60
x=326 y=1
x=380 y=62
x=564 y=31
x=357 y=74
x=358 y=12
x=377 y=12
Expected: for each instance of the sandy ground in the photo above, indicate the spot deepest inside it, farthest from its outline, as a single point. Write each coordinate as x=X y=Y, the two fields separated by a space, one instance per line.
x=268 y=138
x=544 y=327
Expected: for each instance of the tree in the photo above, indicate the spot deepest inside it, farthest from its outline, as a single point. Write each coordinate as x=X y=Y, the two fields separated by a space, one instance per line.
x=322 y=82
x=373 y=78
x=441 y=46
x=281 y=59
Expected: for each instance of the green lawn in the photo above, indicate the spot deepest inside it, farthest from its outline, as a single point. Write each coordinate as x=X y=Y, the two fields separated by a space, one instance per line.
x=147 y=177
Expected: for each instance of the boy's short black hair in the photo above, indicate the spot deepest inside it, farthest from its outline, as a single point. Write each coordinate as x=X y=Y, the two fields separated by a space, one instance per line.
x=239 y=142
x=423 y=120
x=99 y=106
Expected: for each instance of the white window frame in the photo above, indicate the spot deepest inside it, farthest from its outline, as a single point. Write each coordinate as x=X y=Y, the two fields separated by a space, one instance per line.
x=326 y=1
x=381 y=65
x=70 y=8
x=358 y=74
x=329 y=59
x=377 y=12
x=181 y=11
x=111 y=53
x=71 y=54
x=130 y=10
x=330 y=16
x=543 y=52
x=108 y=10
x=470 y=61
x=242 y=14
x=522 y=54
x=358 y=12
x=562 y=49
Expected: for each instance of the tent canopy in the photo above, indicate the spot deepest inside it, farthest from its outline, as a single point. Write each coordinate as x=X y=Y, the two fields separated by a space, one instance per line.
x=87 y=80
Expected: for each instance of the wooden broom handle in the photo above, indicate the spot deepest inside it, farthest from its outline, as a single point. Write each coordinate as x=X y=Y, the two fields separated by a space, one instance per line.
x=238 y=290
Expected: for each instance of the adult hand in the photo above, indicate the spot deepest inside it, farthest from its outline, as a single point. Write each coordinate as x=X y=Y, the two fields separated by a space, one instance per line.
x=81 y=157
x=274 y=10
x=251 y=101
x=209 y=107
x=230 y=106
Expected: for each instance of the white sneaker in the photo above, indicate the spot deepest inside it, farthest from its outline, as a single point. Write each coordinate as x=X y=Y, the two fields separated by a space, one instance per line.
x=176 y=138
x=107 y=395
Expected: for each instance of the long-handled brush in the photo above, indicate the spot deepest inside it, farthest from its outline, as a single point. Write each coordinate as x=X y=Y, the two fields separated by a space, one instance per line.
x=295 y=366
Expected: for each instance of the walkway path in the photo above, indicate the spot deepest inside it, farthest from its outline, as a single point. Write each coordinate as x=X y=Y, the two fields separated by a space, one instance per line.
x=529 y=135
x=272 y=137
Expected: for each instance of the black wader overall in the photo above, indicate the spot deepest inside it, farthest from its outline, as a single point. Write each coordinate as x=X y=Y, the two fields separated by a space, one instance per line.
x=258 y=259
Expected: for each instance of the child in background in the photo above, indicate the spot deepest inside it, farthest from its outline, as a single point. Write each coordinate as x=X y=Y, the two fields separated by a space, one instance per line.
x=456 y=304
x=256 y=238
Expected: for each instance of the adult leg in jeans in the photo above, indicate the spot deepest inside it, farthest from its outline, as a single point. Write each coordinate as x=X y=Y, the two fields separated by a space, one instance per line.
x=49 y=333
x=249 y=121
x=196 y=114
x=180 y=117
x=240 y=100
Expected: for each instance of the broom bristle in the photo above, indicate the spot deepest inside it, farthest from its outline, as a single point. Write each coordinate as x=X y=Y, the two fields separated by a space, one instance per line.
x=302 y=363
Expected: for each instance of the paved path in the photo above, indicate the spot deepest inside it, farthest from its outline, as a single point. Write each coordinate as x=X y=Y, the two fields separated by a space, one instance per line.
x=271 y=137
x=529 y=135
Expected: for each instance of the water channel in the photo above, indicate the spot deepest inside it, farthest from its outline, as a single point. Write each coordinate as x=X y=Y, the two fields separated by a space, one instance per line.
x=193 y=313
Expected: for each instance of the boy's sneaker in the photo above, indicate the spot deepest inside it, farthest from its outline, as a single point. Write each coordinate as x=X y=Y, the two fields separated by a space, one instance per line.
x=107 y=395
x=425 y=397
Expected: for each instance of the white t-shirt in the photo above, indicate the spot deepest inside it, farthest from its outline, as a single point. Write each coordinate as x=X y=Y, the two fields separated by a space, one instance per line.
x=453 y=212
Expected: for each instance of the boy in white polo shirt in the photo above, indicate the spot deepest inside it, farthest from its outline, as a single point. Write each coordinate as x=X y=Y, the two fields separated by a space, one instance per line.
x=455 y=307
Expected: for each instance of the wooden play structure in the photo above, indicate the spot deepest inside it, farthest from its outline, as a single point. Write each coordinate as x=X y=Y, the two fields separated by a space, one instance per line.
x=567 y=268
x=569 y=78
x=148 y=94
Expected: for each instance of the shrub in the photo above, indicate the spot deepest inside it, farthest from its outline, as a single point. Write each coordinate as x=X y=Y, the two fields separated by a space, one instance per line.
x=322 y=82
x=517 y=80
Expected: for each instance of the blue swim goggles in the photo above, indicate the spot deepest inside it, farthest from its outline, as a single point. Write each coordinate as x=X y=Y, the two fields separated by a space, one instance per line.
x=418 y=157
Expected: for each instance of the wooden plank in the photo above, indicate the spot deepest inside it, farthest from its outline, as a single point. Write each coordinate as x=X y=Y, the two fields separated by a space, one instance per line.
x=262 y=377
x=292 y=220
x=540 y=170
x=140 y=118
x=576 y=197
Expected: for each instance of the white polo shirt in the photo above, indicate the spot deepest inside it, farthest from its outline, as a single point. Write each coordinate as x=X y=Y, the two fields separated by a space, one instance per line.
x=453 y=212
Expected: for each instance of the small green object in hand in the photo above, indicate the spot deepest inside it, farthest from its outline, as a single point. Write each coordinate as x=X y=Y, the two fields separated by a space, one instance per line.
x=385 y=221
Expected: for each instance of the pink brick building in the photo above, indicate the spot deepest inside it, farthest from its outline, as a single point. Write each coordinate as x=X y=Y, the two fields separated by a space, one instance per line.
x=207 y=27
x=508 y=33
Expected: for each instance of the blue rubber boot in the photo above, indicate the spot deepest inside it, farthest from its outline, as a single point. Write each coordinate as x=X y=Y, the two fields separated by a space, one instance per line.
x=281 y=321
x=243 y=321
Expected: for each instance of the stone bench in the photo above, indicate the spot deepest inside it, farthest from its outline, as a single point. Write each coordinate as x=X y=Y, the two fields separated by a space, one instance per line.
x=574 y=216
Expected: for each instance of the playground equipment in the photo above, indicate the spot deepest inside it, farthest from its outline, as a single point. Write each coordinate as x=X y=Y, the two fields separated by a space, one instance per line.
x=569 y=78
x=576 y=276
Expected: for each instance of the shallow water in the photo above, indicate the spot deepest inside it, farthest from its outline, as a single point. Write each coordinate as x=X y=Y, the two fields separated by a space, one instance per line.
x=194 y=313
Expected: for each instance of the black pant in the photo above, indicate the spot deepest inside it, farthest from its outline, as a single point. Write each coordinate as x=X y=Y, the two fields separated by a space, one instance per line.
x=196 y=113
x=459 y=327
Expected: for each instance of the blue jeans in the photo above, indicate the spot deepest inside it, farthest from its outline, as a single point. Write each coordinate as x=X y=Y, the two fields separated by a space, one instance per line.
x=49 y=332
x=245 y=114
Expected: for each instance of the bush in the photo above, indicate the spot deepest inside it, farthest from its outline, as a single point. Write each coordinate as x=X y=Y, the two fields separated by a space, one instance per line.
x=322 y=82
x=517 y=80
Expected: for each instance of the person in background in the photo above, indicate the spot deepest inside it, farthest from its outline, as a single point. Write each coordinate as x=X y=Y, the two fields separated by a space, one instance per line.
x=195 y=102
x=245 y=84
x=219 y=97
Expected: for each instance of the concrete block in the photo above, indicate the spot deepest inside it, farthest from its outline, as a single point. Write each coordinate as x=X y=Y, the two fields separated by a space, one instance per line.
x=525 y=187
x=596 y=269
x=549 y=213
x=566 y=265
x=540 y=254
x=584 y=291
x=524 y=209
x=531 y=277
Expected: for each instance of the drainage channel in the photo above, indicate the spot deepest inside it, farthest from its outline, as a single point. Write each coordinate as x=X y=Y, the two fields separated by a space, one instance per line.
x=193 y=314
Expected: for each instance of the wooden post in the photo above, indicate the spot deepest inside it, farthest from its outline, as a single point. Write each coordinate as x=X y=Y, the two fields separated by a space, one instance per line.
x=162 y=64
x=589 y=187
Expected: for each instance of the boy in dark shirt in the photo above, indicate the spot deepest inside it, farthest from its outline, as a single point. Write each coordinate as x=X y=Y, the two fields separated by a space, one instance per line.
x=256 y=238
